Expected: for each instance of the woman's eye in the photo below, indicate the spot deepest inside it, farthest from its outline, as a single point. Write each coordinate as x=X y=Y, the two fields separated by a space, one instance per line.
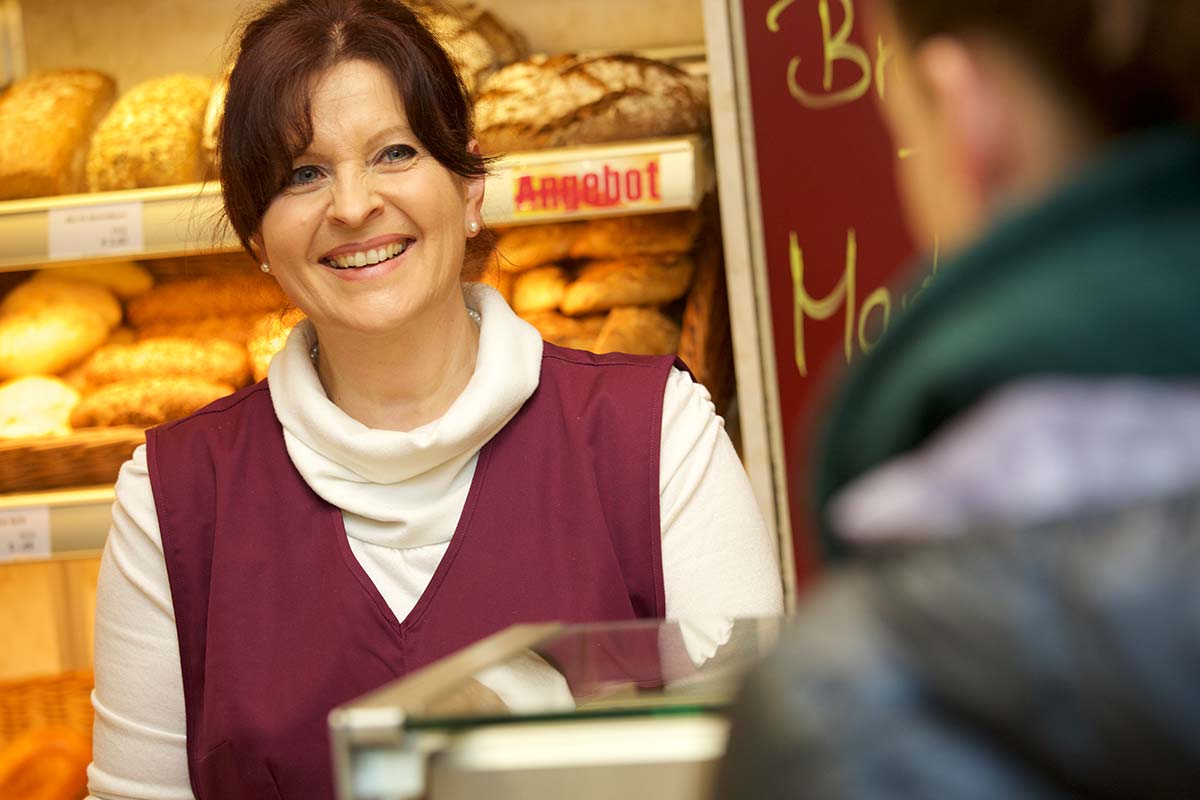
x=397 y=152
x=305 y=175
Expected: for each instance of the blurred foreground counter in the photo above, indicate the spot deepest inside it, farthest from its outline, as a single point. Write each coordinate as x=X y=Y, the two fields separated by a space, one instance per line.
x=629 y=710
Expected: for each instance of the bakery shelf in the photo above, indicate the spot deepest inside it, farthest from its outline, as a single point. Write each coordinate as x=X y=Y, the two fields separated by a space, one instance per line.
x=552 y=185
x=78 y=519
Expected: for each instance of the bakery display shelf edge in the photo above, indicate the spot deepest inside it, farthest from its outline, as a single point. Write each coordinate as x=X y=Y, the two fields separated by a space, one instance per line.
x=647 y=176
x=75 y=520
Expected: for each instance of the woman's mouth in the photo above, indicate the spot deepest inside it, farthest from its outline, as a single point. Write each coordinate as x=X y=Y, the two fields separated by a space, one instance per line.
x=369 y=257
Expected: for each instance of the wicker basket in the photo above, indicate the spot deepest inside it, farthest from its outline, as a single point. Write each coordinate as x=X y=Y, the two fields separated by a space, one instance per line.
x=83 y=458
x=37 y=702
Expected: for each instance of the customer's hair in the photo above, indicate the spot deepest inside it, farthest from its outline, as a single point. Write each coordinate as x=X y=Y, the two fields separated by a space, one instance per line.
x=1125 y=64
x=267 y=120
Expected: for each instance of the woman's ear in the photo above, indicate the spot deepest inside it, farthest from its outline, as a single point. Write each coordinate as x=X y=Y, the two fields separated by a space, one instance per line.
x=473 y=190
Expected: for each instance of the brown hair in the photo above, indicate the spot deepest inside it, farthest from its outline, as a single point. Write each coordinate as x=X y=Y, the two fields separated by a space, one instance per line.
x=1126 y=71
x=267 y=120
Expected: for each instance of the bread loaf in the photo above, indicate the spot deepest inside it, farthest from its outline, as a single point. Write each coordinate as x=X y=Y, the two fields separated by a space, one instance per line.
x=52 y=292
x=476 y=41
x=539 y=289
x=532 y=246
x=125 y=279
x=145 y=402
x=213 y=295
x=577 y=332
x=640 y=280
x=705 y=344
x=556 y=101
x=215 y=360
x=36 y=405
x=228 y=327
x=46 y=122
x=268 y=336
x=48 y=340
x=645 y=234
x=638 y=330
x=151 y=137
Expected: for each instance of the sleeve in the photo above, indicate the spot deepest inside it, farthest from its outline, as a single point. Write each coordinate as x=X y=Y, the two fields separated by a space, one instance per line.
x=139 y=738
x=719 y=560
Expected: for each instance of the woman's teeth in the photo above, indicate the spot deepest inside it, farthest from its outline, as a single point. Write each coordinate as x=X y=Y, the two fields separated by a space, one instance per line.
x=367 y=258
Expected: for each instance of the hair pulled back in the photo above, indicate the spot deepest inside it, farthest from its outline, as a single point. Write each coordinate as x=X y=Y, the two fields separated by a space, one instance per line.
x=267 y=119
x=1126 y=64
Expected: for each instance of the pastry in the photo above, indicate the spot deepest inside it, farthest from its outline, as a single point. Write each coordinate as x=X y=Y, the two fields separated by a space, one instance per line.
x=125 y=279
x=532 y=246
x=638 y=330
x=48 y=340
x=215 y=360
x=644 y=234
x=576 y=332
x=146 y=402
x=46 y=123
x=539 y=289
x=562 y=100
x=213 y=295
x=151 y=136
x=640 y=280
x=47 y=763
x=267 y=336
x=36 y=405
x=51 y=292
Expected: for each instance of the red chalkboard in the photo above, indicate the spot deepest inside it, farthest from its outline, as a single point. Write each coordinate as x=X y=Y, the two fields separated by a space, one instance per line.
x=834 y=234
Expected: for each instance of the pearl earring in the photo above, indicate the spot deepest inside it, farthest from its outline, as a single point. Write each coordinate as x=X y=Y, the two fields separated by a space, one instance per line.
x=473 y=226
x=266 y=267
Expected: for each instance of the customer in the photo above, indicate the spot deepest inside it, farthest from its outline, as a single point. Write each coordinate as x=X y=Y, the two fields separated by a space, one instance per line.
x=1038 y=411
x=1051 y=365
x=418 y=471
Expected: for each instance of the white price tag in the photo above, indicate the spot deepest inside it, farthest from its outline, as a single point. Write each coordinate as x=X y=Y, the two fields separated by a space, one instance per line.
x=24 y=532
x=91 y=231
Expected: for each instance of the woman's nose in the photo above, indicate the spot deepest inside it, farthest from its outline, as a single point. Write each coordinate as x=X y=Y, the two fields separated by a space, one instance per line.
x=354 y=200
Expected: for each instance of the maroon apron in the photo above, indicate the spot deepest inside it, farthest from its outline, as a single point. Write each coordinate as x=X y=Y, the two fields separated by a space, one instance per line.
x=277 y=621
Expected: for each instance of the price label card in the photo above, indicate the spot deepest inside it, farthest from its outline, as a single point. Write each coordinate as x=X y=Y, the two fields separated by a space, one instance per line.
x=24 y=532
x=91 y=231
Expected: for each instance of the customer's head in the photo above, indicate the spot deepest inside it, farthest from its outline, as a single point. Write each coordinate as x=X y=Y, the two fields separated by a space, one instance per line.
x=999 y=100
x=347 y=128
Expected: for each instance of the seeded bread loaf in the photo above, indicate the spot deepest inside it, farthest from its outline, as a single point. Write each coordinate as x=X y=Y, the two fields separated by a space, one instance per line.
x=561 y=100
x=478 y=43
x=151 y=137
x=146 y=401
x=196 y=298
x=214 y=359
x=46 y=122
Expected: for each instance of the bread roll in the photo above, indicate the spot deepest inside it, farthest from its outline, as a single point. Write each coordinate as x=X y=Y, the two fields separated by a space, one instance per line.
x=48 y=340
x=213 y=295
x=577 y=332
x=36 y=405
x=638 y=330
x=645 y=234
x=48 y=763
x=125 y=279
x=641 y=280
x=146 y=402
x=151 y=137
x=215 y=360
x=539 y=289
x=532 y=246
x=267 y=337
x=52 y=292
x=556 y=101
x=46 y=122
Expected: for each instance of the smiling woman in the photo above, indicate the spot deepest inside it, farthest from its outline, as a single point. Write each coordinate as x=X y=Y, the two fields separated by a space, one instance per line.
x=418 y=470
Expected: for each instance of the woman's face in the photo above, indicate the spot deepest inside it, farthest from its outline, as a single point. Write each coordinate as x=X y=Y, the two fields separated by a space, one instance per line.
x=370 y=231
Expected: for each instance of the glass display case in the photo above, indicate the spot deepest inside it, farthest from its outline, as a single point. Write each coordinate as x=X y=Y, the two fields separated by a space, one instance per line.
x=626 y=710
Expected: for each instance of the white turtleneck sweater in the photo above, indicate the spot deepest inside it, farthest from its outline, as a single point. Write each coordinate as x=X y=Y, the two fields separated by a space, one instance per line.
x=401 y=494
